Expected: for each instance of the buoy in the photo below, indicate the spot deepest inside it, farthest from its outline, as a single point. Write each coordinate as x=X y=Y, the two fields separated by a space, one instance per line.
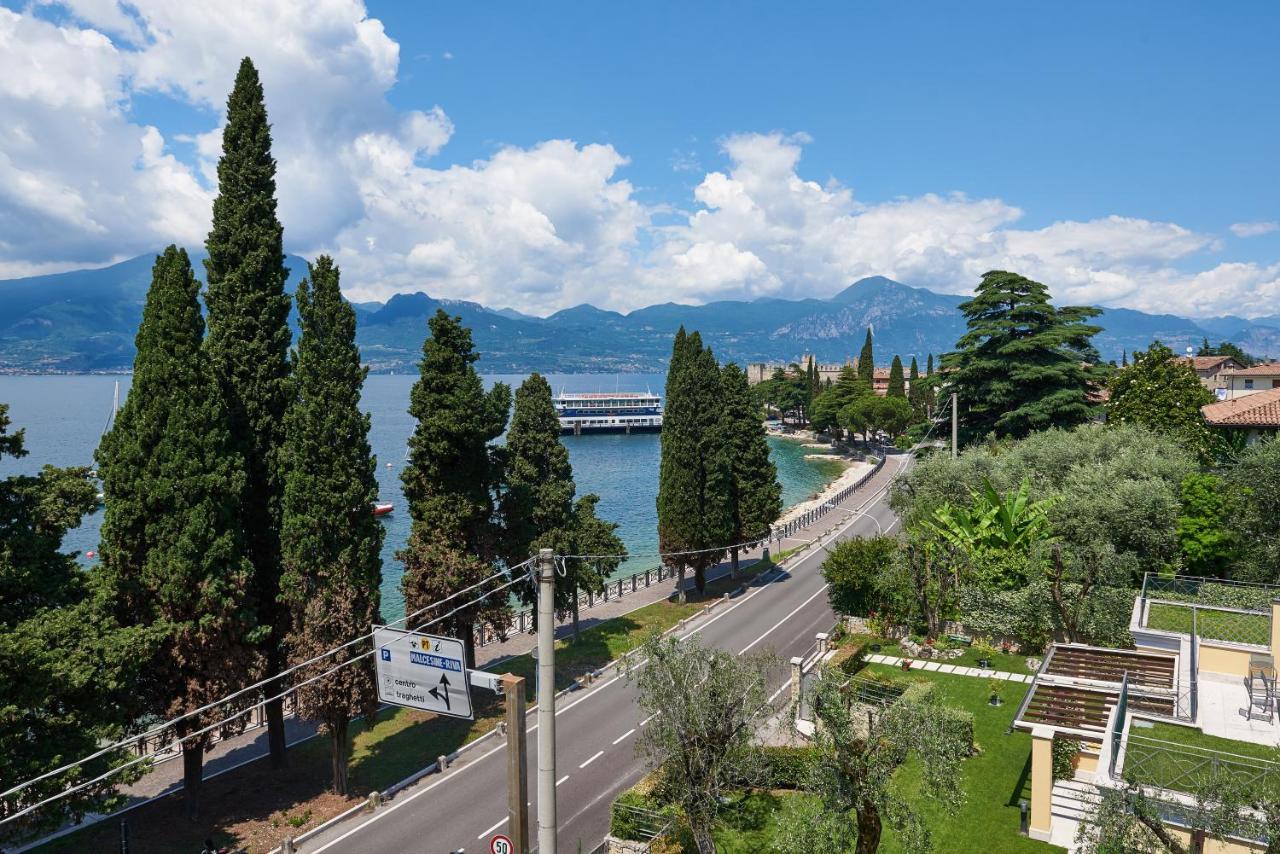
x=89 y=555
x=388 y=465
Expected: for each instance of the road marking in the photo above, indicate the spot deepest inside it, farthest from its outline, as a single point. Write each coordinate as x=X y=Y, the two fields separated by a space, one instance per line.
x=599 y=753
x=397 y=804
x=562 y=779
x=492 y=829
x=774 y=696
x=817 y=593
x=624 y=735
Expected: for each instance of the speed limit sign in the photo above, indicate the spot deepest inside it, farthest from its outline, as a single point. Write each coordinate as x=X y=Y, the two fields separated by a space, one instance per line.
x=500 y=844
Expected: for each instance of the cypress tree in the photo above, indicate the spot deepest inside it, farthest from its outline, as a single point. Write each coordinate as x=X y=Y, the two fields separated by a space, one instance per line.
x=928 y=368
x=330 y=541
x=249 y=345
x=538 y=509
x=867 y=361
x=914 y=373
x=694 y=514
x=451 y=479
x=172 y=549
x=1023 y=365
x=897 y=383
x=755 y=494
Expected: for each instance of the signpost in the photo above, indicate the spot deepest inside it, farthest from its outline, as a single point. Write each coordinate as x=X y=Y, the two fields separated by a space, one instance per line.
x=500 y=844
x=422 y=672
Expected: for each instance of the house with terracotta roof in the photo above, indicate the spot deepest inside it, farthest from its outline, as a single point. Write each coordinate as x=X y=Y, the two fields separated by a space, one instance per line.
x=1256 y=413
x=1239 y=382
x=1210 y=368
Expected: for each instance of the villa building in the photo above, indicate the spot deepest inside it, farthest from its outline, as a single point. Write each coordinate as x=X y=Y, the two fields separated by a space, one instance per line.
x=1210 y=368
x=758 y=372
x=1240 y=382
x=1256 y=412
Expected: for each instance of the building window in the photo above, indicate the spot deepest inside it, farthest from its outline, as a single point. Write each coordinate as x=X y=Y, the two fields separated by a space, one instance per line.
x=1248 y=383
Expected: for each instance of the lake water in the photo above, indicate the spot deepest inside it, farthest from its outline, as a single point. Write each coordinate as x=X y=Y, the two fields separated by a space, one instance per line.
x=64 y=417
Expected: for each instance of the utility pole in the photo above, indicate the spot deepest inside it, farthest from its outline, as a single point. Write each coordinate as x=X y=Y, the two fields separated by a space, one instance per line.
x=955 y=427
x=517 y=764
x=546 y=703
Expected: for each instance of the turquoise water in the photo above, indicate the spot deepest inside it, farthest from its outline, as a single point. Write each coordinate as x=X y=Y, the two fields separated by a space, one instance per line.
x=64 y=416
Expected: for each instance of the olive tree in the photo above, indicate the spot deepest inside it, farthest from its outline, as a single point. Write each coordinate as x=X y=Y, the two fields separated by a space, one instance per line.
x=706 y=704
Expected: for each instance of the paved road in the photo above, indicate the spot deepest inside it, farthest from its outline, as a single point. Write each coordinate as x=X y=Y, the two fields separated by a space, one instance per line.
x=596 y=729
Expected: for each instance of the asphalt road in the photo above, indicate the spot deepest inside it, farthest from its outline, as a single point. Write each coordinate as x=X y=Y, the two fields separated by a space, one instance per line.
x=596 y=729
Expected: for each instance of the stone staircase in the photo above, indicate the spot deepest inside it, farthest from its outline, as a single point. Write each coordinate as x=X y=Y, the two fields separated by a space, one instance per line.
x=1072 y=802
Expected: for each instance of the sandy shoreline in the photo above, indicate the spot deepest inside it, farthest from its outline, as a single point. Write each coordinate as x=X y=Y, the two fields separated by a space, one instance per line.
x=854 y=469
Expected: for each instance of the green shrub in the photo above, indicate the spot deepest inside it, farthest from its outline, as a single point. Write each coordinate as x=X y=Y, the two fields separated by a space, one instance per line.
x=626 y=824
x=1064 y=753
x=784 y=767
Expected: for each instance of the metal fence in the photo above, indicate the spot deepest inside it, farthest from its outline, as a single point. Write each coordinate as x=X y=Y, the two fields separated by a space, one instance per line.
x=522 y=620
x=1208 y=608
x=1118 y=716
x=1187 y=768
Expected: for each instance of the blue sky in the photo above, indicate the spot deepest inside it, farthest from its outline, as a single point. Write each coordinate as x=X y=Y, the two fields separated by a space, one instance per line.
x=540 y=155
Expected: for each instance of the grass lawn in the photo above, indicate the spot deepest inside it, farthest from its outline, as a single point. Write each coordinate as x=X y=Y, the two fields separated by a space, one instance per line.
x=1183 y=759
x=1213 y=625
x=993 y=781
x=1004 y=662
x=254 y=807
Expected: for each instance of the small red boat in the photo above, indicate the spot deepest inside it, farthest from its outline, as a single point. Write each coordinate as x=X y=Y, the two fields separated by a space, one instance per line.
x=382 y=509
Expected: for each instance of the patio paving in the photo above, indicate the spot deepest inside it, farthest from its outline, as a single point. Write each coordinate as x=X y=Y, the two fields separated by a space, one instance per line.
x=1224 y=711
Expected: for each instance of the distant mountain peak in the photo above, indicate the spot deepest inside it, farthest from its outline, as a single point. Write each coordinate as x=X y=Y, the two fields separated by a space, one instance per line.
x=869 y=286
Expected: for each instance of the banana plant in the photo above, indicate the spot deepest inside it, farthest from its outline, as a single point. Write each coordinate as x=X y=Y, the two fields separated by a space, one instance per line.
x=994 y=521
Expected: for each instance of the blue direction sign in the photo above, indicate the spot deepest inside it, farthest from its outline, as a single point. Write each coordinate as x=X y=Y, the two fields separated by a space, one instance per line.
x=422 y=672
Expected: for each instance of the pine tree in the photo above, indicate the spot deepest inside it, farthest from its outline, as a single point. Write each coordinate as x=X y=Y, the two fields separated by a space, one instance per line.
x=173 y=555
x=694 y=514
x=755 y=494
x=74 y=665
x=846 y=390
x=249 y=344
x=897 y=384
x=330 y=541
x=451 y=479
x=1023 y=365
x=867 y=361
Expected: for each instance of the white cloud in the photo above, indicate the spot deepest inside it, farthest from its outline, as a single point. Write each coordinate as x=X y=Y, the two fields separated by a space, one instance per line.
x=536 y=228
x=1254 y=229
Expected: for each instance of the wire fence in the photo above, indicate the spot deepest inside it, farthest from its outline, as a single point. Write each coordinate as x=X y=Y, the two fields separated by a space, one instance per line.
x=1208 y=608
x=1188 y=768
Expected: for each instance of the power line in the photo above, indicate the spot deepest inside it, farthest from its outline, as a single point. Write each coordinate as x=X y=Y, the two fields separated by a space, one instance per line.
x=160 y=728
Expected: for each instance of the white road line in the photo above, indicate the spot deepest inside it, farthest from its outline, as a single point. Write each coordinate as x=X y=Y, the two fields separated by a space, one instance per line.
x=492 y=829
x=397 y=804
x=774 y=696
x=624 y=735
x=599 y=753
x=562 y=779
x=819 y=592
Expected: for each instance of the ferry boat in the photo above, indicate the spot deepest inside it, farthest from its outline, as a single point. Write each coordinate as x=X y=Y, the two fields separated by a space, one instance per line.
x=616 y=412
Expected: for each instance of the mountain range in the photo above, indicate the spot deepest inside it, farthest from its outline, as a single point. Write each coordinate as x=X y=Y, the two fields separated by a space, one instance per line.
x=85 y=321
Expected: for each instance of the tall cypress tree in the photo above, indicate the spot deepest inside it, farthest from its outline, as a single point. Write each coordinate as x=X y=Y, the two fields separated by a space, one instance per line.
x=928 y=368
x=897 y=383
x=249 y=346
x=538 y=509
x=330 y=541
x=694 y=513
x=1023 y=365
x=451 y=480
x=867 y=361
x=755 y=494
x=173 y=554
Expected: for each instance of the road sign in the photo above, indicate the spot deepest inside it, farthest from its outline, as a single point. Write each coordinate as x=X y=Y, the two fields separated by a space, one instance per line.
x=500 y=844
x=422 y=672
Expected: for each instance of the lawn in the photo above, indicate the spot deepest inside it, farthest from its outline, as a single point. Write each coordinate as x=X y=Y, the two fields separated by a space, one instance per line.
x=1183 y=757
x=993 y=781
x=254 y=807
x=1004 y=662
x=1213 y=625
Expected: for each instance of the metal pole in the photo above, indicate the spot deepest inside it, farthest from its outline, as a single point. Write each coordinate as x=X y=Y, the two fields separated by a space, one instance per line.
x=517 y=764
x=546 y=703
x=955 y=427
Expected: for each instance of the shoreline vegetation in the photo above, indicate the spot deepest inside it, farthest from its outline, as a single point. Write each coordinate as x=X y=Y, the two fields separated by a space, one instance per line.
x=846 y=468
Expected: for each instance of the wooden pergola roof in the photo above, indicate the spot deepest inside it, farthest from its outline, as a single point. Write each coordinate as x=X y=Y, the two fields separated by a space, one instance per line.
x=1078 y=686
x=1145 y=670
